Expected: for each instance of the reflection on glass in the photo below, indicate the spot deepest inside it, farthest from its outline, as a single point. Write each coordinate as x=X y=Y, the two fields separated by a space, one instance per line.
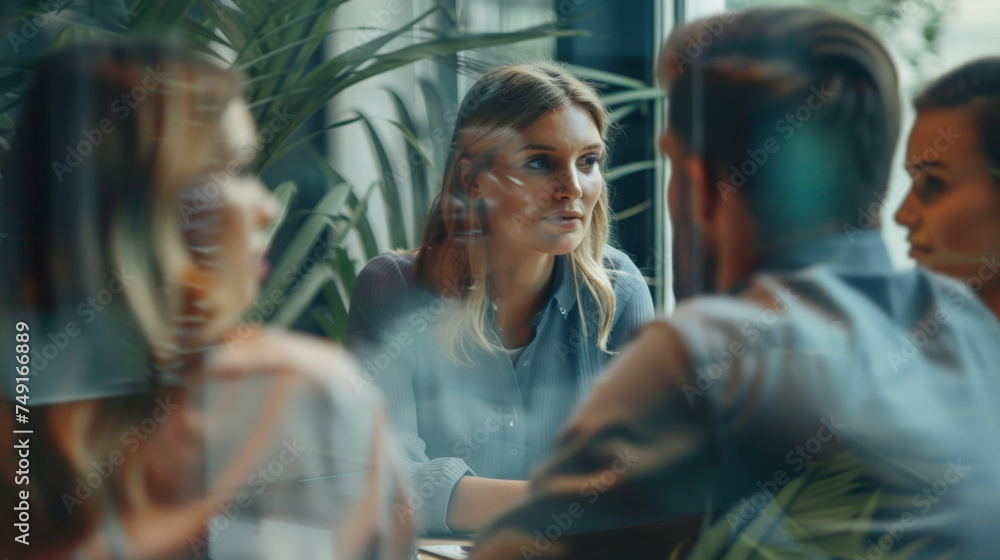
x=135 y=240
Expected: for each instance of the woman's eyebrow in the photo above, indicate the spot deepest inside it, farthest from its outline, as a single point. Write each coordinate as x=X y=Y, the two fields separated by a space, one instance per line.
x=544 y=147
x=547 y=148
x=916 y=167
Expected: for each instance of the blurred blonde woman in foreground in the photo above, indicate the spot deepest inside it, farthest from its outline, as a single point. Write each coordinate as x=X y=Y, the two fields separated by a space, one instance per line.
x=136 y=232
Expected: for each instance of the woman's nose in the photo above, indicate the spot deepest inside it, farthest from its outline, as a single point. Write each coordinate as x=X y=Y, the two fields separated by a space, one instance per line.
x=908 y=214
x=568 y=185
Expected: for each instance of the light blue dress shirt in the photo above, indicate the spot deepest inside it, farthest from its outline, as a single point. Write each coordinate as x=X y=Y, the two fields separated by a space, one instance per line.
x=497 y=419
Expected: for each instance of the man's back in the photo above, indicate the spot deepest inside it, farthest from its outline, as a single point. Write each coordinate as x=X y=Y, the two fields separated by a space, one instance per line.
x=897 y=369
x=861 y=389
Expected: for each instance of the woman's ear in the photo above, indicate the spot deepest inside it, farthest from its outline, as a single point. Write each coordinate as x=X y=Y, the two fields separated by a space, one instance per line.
x=465 y=177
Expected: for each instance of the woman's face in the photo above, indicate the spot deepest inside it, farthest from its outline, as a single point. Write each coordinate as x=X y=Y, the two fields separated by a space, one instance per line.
x=543 y=185
x=227 y=240
x=952 y=211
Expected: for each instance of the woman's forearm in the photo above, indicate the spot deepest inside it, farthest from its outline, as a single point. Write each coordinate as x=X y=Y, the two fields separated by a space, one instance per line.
x=478 y=501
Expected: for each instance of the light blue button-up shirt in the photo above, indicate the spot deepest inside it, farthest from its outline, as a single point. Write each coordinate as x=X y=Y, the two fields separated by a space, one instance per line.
x=497 y=419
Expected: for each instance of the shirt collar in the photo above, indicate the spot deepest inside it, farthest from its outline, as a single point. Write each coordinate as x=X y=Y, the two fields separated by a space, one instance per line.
x=862 y=252
x=562 y=293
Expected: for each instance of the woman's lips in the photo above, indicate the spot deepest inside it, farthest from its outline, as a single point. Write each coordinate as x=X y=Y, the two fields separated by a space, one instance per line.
x=566 y=219
x=919 y=251
x=564 y=222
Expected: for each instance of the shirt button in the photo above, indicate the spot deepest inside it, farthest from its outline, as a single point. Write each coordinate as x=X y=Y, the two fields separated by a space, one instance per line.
x=511 y=423
x=562 y=310
x=527 y=362
x=513 y=451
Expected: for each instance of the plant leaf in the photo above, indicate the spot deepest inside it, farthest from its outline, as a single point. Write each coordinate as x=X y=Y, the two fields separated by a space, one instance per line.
x=276 y=156
x=361 y=224
x=336 y=302
x=611 y=78
x=623 y=111
x=436 y=120
x=307 y=236
x=629 y=168
x=158 y=16
x=283 y=193
x=637 y=209
x=345 y=269
x=326 y=322
x=417 y=162
x=646 y=94
x=389 y=189
x=299 y=299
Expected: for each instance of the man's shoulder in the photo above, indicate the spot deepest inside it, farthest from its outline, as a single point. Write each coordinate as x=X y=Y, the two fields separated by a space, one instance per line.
x=858 y=322
x=783 y=313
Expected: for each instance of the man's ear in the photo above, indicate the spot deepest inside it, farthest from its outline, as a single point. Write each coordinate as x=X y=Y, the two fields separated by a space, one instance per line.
x=465 y=177
x=704 y=200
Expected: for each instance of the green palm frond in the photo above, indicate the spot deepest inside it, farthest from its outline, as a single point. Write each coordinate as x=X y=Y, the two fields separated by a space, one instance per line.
x=830 y=510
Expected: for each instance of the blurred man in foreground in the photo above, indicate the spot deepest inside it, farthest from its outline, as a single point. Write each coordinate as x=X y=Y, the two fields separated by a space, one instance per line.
x=820 y=404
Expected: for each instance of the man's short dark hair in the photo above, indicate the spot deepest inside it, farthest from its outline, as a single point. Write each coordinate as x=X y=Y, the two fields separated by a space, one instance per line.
x=796 y=108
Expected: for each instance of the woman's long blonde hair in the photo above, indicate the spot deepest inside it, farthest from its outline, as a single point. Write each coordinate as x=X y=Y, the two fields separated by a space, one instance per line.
x=454 y=253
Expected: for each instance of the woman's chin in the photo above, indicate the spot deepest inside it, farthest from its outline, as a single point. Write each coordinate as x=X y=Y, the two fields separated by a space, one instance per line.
x=556 y=249
x=564 y=251
x=564 y=246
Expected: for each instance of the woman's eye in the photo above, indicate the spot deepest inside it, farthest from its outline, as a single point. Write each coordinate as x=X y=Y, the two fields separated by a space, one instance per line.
x=538 y=164
x=588 y=161
x=928 y=188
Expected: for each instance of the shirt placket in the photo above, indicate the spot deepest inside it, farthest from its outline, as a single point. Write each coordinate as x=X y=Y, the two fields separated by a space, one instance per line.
x=512 y=412
x=512 y=415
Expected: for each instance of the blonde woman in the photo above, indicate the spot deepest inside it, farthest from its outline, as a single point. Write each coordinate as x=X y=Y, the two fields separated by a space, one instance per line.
x=486 y=337
x=160 y=425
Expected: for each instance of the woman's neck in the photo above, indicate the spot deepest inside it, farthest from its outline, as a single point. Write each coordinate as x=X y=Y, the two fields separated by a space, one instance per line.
x=519 y=285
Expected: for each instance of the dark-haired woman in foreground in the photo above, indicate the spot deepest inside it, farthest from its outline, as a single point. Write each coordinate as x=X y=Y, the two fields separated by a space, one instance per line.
x=487 y=336
x=136 y=232
x=953 y=209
